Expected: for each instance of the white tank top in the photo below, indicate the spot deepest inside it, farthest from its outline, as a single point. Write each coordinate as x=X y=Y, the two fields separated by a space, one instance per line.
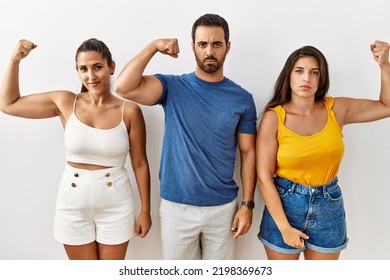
x=86 y=144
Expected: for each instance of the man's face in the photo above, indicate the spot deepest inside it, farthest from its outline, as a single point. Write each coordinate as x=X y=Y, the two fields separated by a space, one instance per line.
x=210 y=48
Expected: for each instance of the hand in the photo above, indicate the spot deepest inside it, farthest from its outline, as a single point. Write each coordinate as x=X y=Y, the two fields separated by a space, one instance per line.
x=22 y=49
x=143 y=224
x=380 y=51
x=168 y=46
x=294 y=238
x=242 y=221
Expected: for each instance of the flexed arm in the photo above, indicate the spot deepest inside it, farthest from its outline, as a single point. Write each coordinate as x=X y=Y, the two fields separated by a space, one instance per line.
x=31 y=106
x=133 y=85
x=9 y=92
x=353 y=110
x=380 y=51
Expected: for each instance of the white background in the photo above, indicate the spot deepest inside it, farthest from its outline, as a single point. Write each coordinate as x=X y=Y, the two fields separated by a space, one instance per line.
x=263 y=34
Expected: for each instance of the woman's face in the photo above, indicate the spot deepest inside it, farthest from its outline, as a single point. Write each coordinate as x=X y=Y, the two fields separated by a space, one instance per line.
x=305 y=77
x=94 y=71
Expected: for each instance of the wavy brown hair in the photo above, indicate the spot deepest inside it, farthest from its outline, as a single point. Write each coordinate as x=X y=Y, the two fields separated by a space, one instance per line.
x=282 y=89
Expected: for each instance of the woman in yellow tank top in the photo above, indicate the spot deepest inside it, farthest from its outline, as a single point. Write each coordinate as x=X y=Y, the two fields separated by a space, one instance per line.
x=299 y=150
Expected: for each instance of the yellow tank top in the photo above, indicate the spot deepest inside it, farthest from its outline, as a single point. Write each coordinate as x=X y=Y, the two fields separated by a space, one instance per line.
x=310 y=160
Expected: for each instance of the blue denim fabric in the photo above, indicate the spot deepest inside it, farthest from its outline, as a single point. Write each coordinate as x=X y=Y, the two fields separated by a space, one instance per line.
x=317 y=211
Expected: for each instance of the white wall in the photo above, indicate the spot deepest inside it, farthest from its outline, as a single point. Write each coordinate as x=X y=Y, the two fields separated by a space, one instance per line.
x=263 y=34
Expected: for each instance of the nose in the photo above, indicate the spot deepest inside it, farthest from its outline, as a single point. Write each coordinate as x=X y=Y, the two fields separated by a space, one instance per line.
x=91 y=75
x=209 y=50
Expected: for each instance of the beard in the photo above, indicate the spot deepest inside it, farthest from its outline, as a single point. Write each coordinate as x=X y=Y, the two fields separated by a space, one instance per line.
x=210 y=64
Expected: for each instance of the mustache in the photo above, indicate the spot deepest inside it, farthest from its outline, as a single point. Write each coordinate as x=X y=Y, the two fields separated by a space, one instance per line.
x=210 y=58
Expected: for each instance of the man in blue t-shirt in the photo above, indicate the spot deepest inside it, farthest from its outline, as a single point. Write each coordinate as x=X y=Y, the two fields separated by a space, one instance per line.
x=206 y=117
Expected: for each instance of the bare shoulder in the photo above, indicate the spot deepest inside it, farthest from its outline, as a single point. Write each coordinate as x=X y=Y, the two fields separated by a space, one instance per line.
x=63 y=98
x=133 y=111
x=61 y=95
x=270 y=119
x=341 y=104
x=132 y=108
x=268 y=127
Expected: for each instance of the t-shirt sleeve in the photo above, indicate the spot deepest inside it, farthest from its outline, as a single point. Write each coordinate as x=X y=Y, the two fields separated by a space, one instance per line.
x=248 y=120
x=163 y=96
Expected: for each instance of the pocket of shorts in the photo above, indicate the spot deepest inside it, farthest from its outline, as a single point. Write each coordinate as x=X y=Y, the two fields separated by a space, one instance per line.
x=335 y=195
x=65 y=185
x=119 y=185
x=282 y=191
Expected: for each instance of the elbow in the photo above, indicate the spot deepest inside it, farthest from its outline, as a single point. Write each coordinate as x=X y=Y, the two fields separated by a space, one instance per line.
x=263 y=180
x=119 y=89
x=3 y=108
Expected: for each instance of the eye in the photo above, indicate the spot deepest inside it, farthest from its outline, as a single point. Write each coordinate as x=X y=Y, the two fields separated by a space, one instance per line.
x=315 y=73
x=218 y=44
x=298 y=71
x=201 y=45
x=98 y=67
x=82 y=69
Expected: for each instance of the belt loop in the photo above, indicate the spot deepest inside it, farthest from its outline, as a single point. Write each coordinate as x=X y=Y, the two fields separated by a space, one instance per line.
x=325 y=190
x=292 y=188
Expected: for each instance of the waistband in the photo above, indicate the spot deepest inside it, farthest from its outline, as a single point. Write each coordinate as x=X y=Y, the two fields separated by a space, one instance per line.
x=304 y=189
x=84 y=173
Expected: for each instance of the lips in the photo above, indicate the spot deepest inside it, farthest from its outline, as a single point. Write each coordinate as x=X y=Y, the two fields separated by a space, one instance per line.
x=305 y=87
x=94 y=84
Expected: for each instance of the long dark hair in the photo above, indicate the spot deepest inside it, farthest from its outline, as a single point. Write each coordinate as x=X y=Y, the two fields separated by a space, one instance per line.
x=282 y=89
x=97 y=46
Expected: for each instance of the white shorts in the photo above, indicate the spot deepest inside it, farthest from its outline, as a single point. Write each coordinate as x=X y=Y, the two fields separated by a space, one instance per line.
x=197 y=232
x=94 y=205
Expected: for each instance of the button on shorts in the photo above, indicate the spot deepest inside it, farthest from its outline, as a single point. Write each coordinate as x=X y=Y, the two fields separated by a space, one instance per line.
x=94 y=205
x=317 y=211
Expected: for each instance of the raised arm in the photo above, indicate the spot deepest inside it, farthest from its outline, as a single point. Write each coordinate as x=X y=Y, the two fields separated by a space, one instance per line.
x=266 y=151
x=31 y=106
x=351 y=110
x=140 y=165
x=133 y=85
x=243 y=218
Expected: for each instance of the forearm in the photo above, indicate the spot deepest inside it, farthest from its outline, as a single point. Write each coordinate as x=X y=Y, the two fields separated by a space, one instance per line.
x=9 y=92
x=248 y=176
x=273 y=203
x=142 y=176
x=385 y=85
x=131 y=76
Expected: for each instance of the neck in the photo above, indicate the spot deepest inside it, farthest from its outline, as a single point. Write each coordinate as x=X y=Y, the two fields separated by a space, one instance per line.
x=302 y=106
x=209 y=77
x=98 y=100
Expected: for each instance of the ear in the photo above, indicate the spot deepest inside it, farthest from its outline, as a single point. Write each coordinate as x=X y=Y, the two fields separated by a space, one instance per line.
x=227 y=47
x=193 y=46
x=112 y=67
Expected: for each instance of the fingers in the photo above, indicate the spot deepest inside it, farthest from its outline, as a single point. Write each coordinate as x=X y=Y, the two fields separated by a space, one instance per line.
x=295 y=238
x=141 y=231
x=380 y=52
x=143 y=225
x=241 y=223
x=300 y=243
x=169 y=47
x=23 y=48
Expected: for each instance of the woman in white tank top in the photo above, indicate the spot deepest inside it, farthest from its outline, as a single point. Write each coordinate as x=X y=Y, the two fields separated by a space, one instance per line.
x=94 y=215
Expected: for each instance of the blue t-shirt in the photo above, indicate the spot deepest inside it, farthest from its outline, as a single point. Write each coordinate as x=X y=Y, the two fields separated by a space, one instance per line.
x=202 y=120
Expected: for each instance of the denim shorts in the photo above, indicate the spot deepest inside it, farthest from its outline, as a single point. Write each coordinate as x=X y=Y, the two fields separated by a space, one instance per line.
x=318 y=211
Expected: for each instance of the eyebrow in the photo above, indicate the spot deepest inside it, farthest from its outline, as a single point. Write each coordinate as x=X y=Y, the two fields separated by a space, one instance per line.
x=95 y=64
x=300 y=67
x=206 y=42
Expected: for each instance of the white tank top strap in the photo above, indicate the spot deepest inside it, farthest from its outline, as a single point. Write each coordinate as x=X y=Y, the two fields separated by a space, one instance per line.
x=123 y=109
